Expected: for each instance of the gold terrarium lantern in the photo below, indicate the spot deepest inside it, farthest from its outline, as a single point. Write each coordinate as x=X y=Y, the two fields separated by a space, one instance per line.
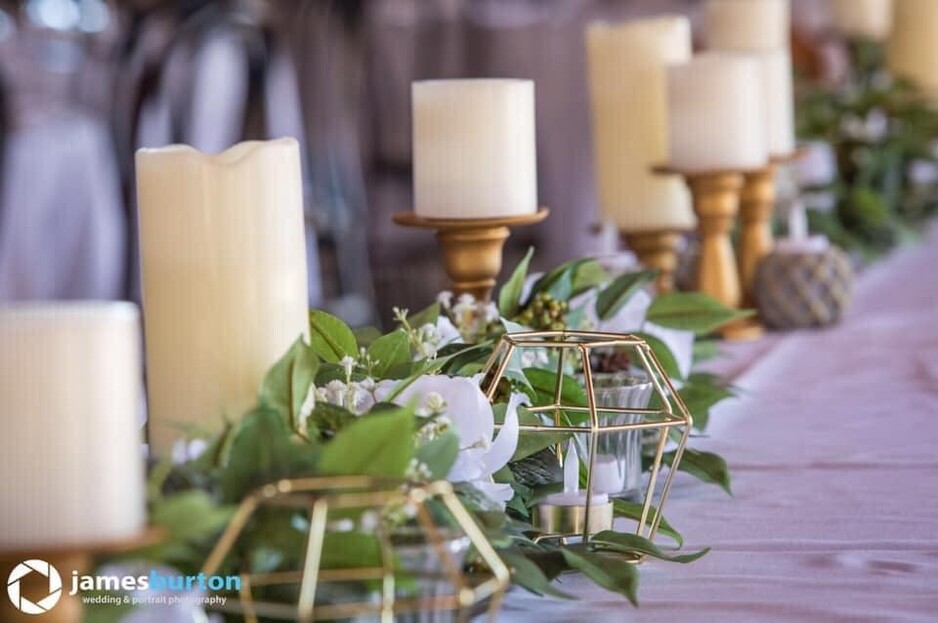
x=383 y=586
x=666 y=419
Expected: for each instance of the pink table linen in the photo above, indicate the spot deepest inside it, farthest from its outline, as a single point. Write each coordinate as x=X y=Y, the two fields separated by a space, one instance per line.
x=834 y=452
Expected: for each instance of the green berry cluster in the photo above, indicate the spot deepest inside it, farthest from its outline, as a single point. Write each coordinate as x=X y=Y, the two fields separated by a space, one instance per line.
x=544 y=313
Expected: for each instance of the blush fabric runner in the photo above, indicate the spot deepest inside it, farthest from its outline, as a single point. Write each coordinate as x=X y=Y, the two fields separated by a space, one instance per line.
x=833 y=447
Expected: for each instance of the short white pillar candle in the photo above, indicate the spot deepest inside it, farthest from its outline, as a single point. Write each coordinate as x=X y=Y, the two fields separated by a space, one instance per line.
x=716 y=109
x=70 y=425
x=224 y=278
x=869 y=19
x=628 y=89
x=474 y=148
x=747 y=25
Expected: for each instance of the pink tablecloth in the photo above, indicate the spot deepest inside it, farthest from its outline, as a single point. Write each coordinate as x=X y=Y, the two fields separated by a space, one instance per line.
x=834 y=452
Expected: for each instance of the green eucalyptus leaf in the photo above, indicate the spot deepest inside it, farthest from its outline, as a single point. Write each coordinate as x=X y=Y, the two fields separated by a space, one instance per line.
x=705 y=466
x=286 y=384
x=350 y=550
x=388 y=351
x=611 y=573
x=633 y=510
x=366 y=336
x=700 y=397
x=529 y=575
x=558 y=283
x=262 y=451
x=375 y=445
x=544 y=383
x=327 y=418
x=612 y=298
x=426 y=316
x=691 y=311
x=190 y=515
x=665 y=356
x=705 y=350
x=332 y=339
x=588 y=275
x=625 y=542
x=509 y=297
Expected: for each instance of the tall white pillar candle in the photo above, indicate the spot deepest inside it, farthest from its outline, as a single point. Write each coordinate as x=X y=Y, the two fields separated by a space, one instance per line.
x=778 y=89
x=628 y=89
x=869 y=19
x=224 y=278
x=747 y=25
x=913 y=44
x=716 y=114
x=70 y=427
x=474 y=148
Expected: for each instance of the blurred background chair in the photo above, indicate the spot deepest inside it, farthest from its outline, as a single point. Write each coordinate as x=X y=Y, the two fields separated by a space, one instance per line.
x=87 y=82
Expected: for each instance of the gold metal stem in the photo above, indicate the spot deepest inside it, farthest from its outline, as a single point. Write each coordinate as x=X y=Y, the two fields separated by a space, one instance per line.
x=656 y=250
x=472 y=248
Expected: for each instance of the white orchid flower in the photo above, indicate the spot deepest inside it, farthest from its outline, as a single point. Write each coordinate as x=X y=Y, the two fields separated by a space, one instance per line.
x=471 y=417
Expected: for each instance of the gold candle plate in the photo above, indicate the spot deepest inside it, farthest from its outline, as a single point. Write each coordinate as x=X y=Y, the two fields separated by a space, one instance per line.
x=472 y=248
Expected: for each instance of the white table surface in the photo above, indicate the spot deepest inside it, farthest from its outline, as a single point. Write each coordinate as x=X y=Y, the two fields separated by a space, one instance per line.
x=834 y=453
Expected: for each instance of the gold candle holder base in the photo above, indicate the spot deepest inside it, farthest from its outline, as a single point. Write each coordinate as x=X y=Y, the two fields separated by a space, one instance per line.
x=716 y=196
x=556 y=519
x=472 y=248
x=656 y=250
x=37 y=586
x=757 y=204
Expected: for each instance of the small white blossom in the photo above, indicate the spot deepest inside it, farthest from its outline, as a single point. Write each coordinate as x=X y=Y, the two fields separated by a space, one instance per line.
x=348 y=364
x=445 y=299
x=418 y=471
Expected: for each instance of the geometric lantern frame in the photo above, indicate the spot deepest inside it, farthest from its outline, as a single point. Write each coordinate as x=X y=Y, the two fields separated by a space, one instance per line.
x=437 y=513
x=576 y=346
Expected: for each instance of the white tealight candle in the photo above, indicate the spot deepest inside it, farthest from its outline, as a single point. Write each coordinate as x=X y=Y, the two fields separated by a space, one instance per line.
x=913 y=45
x=70 y=399
x=627 y=73
x=747 y=25
x=474 y=148
x=778 y=89
x=869 y=19
x=224 y=278
x=716 y=110
x=572 y=495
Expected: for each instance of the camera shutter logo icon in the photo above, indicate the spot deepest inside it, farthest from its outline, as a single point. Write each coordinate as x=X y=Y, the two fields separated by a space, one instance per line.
x=25 y=605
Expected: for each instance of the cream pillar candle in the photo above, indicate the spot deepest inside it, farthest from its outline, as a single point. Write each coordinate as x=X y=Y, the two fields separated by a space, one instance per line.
x=913 y=44
x=716 y=112
x=627 y=75
x=70 y=425
x=474 y=148
x=869 y=19
x=779 y=110
x=224 y=278
x=747 y=25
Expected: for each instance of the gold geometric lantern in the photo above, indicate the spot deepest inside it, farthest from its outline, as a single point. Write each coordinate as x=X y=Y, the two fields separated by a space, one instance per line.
x=391 y=581
x=570 y=352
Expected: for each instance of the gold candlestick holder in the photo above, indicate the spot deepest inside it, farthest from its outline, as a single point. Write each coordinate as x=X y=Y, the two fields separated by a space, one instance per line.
x=656 y=250
x=38 y=579
x=757 y=203
x=472 y=248
x=716 y=198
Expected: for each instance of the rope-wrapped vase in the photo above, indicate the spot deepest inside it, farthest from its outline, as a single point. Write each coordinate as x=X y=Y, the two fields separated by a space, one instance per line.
x=797 y=290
